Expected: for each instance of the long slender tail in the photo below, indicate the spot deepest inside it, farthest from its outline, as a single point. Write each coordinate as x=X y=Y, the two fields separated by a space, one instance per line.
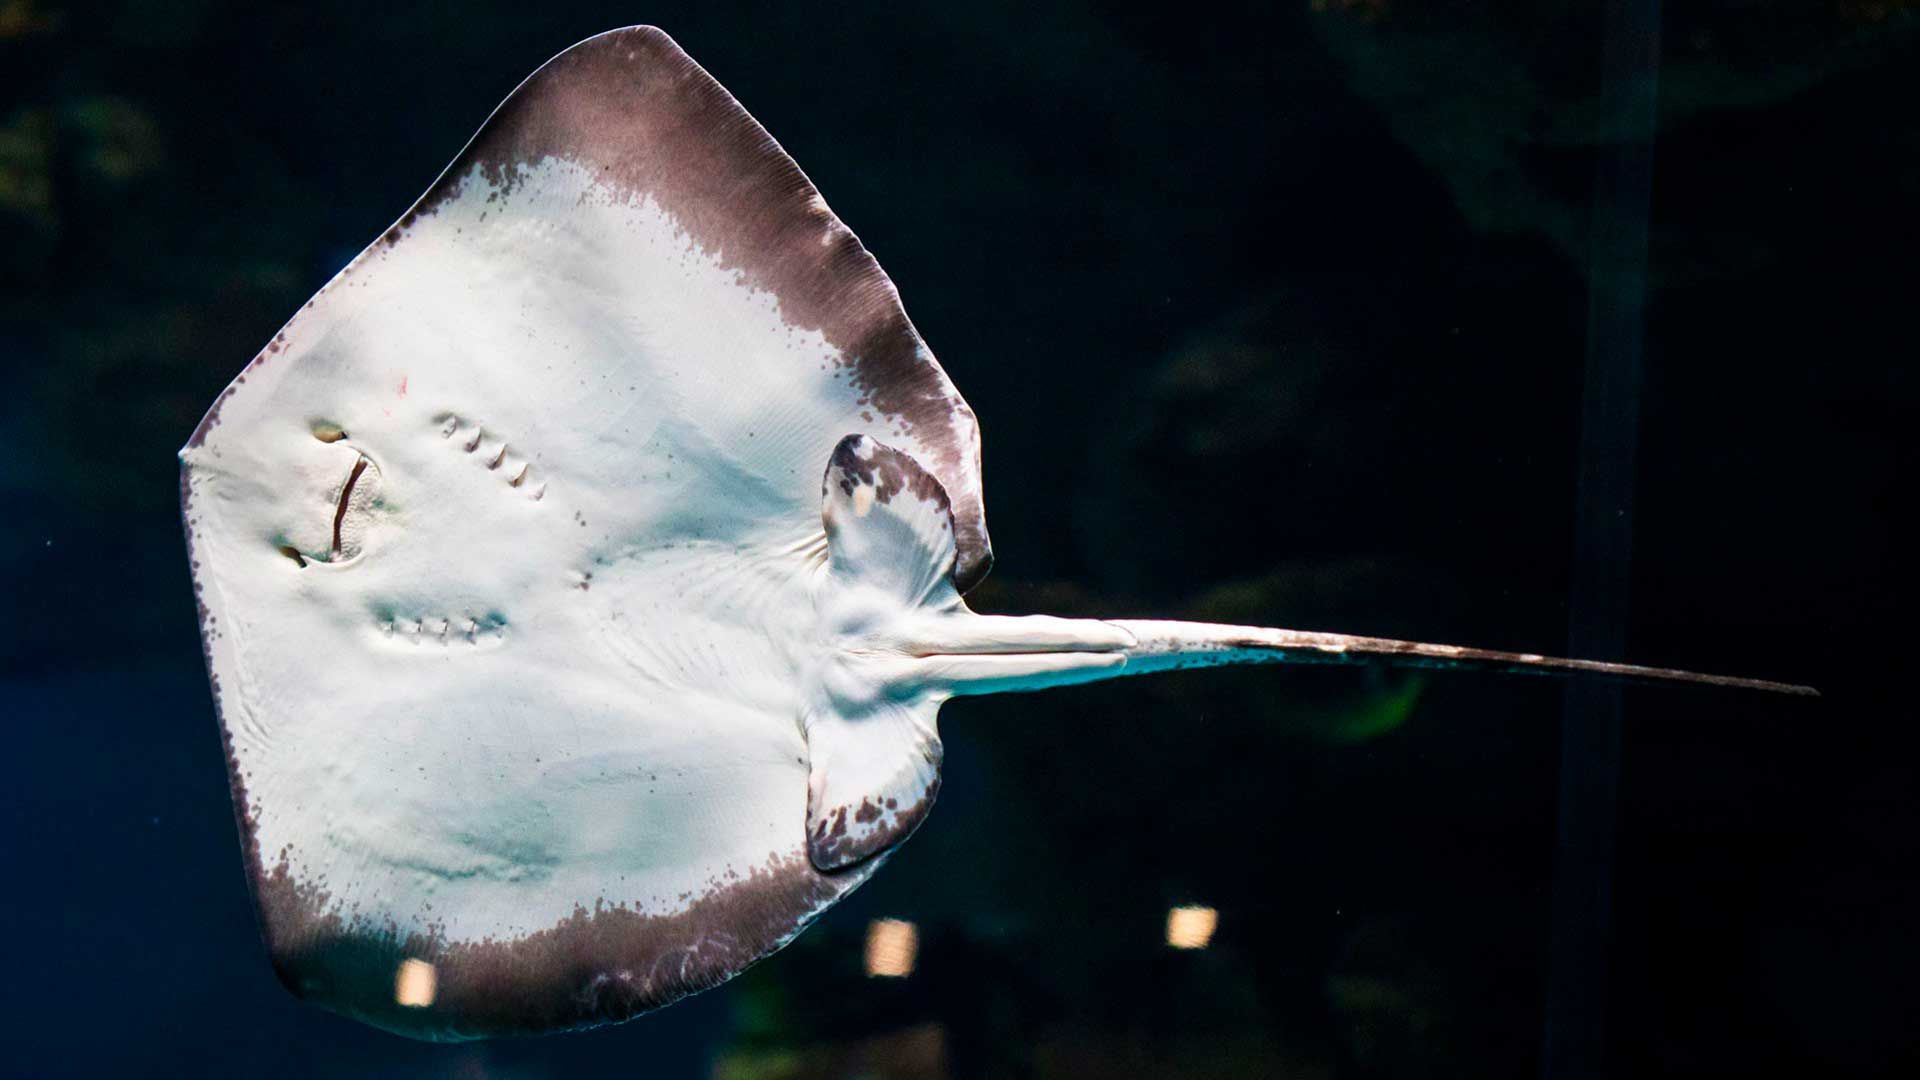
x=986 y=654
x=1161 y=646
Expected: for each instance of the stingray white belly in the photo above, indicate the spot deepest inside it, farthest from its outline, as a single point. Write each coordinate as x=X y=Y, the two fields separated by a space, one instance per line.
x=506 y=548
x=587 y=752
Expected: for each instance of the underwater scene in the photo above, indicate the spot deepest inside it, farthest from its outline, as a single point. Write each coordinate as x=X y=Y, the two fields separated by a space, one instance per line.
x=498 y=584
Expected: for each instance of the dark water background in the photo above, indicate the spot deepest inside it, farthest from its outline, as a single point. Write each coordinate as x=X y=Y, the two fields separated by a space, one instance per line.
x=1286 y=313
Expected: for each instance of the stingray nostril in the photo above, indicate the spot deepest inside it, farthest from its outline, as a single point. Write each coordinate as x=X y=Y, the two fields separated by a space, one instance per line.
x=293 y=553
x=328 y=432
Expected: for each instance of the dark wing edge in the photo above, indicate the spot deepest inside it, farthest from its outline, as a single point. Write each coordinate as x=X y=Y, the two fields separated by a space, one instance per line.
x=651 y=121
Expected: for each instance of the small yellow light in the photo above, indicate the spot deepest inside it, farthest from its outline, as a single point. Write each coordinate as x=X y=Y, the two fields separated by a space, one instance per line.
x=1190 y=927
x=891 y=945
x=414 y=986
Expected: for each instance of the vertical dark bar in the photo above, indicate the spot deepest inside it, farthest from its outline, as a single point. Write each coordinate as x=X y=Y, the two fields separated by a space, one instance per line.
x=1574 y=1044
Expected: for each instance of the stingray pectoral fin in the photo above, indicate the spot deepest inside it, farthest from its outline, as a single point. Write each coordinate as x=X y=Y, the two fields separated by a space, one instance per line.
x=1163 y=646
x=874 y=776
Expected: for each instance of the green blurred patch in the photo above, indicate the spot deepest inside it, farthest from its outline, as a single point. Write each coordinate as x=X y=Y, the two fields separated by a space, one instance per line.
x=763 y=1007
x=913 y=1053
x=115 y=141
x=28 y=214
x=1367 y=716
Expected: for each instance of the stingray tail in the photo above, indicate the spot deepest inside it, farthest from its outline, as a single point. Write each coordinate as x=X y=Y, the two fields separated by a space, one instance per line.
x=1163 y=646
x=993 y=654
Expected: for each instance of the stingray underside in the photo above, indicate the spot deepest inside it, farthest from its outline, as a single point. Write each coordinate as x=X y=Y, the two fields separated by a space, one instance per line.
x=503 y=548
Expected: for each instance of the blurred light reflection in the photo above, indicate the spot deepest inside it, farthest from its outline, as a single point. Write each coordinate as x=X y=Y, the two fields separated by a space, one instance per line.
x=891 y=945
x=1190 y=927
x=415 y=984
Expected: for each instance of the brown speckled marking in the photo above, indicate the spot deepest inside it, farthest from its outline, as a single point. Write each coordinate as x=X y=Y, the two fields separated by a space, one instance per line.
x=637 y=111
x=207 y=423
x=597 y=966
x=861 y=460
x=837 y=846
x=211 y=419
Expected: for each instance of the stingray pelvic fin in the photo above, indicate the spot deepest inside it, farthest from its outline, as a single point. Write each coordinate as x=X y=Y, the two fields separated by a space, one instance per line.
x=875 y=773
x=889 y=525
x=871 y=734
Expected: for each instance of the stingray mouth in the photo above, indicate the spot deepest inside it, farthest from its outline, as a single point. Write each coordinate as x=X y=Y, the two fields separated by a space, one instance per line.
x=348 y=492
x=346 y=500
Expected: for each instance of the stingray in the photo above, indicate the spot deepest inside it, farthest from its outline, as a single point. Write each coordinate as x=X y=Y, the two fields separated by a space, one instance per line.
x=580 y=573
